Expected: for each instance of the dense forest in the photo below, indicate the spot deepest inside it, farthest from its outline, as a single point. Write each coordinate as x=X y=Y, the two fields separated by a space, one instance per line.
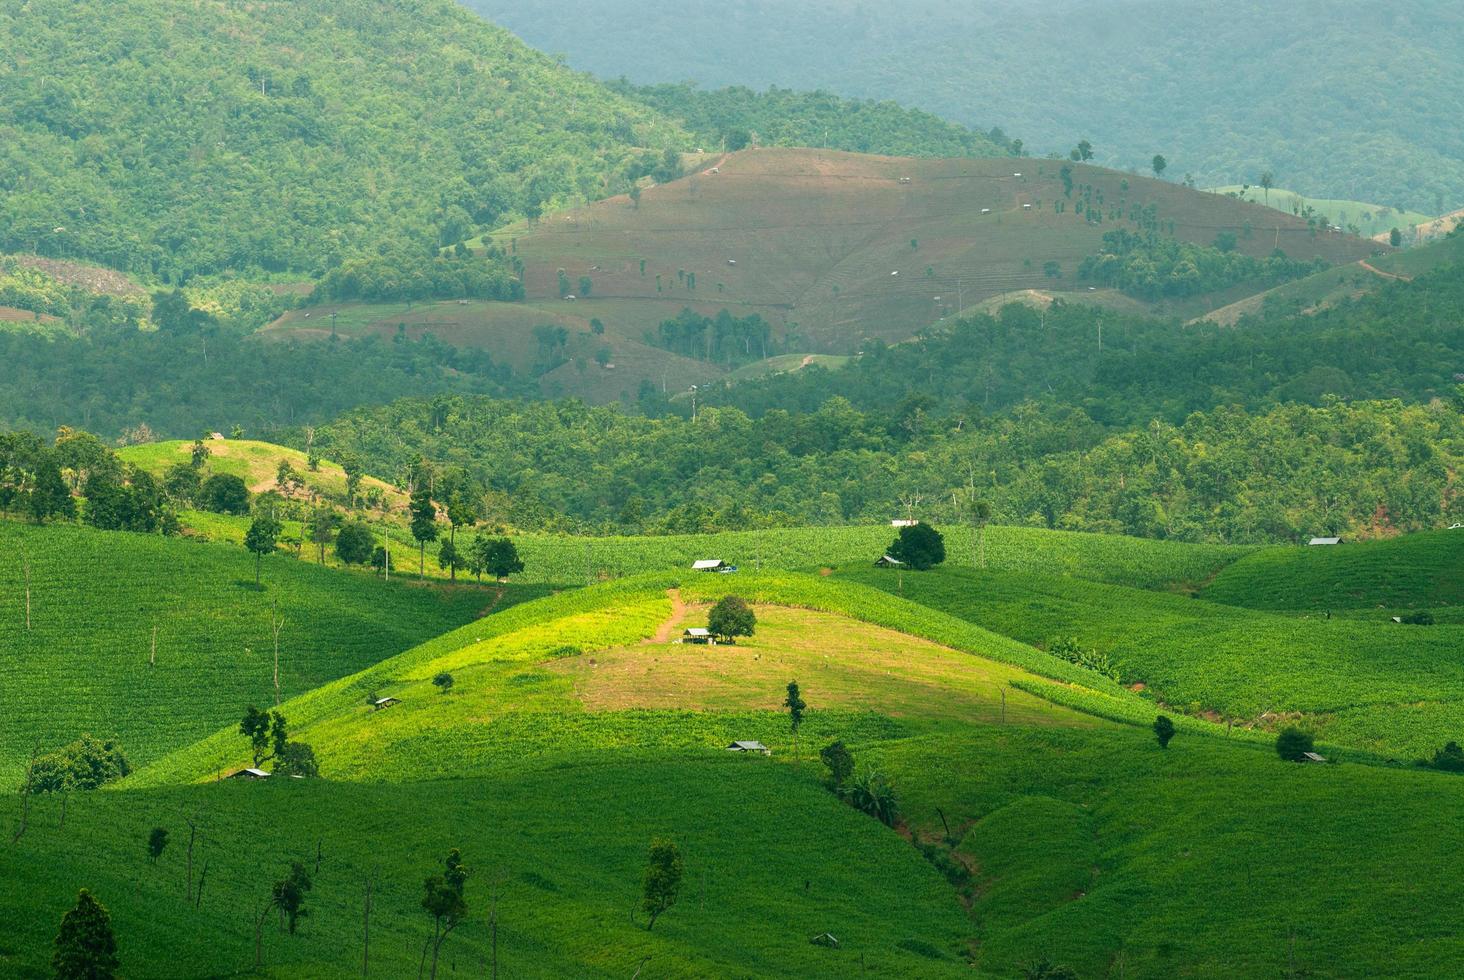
x=170 y=139
x=1225 y=475
x=1335 y=98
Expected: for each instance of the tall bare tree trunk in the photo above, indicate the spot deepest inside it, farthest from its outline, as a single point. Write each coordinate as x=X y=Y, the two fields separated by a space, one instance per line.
x=276 y=623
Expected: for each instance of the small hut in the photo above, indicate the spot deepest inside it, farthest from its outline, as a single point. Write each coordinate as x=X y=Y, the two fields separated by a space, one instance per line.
x=380 y=703
x=249 y=774
x=709 y=565
x=885 y=561
x=748 y=746
x=1317 y=541
x=1313 y=757
x=698 y=634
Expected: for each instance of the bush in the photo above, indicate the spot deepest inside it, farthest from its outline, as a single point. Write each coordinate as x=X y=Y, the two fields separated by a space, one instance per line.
x=1421 y=618
x=1450 y=758
x=86 y=763
x=1293 y=744
x=1163 y=731
x=224 y=493
x=443 y=682
x=840 y=761
x=296 y=759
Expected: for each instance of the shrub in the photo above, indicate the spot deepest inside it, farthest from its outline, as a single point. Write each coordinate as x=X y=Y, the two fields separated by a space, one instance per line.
x=873 y=794
x=443 y=682
x=355 y=544
x=1293 y=744
x=296 y=759
x=1163 y=731
x=840 y=761
x=86 y=763
x=1450 y=758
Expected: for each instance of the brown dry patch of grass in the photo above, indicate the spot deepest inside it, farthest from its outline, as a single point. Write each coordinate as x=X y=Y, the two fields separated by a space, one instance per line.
x=839 y=662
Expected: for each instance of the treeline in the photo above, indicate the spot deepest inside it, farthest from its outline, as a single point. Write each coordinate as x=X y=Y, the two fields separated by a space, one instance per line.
x=1406 y=340
x=1223 y=475
x=1151 y=267
x=402 y=275
x=736 y=117
x=723 y=339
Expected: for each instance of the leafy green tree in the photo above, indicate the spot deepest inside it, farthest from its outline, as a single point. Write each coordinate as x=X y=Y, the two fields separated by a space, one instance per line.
x=85 y=948
x=157 y=842
x=296 y=759
x=256 y=726
x=919 y=546
x=182 y=483
x=424 y=525
x=796 y=706
x=443 y=682
x=501 y=559
x=1163 y=730
x=262 y=538
x=444 y=904
x=289 y=894
x=1395 y=237
x=1268 y=181
x=840 y=762
x=1159 y=165
x=352 y=466
x=322 y=526
x=1292 y=744
x=731 y=617
x=224 y=493
x=355 y=543
x=661 y=882
x=449 y=558
x=199 y=454
x=85 y=764
x=981 y=517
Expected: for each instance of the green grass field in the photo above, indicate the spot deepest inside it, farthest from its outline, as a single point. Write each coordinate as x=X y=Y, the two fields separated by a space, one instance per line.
x=1370 y=219
x=576 y=731
x=1417 y=571
x=96 y=597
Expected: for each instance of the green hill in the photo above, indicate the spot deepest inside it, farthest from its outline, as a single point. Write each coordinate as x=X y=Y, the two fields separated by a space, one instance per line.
x=1415 y=571
x=87 y=662
x=575 y=733
x=174 y=139
x=1369 y=220
x=1347 y=102
x=1369 y=683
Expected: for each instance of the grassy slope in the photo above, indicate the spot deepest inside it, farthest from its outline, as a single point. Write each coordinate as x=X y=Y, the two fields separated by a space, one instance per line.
x=568 y=844
x=1088 y=843
x=96 y=597
x=257 y=463
x=1370 y=219
x=1414 y=571
x=1395 y=690
x=815 y=236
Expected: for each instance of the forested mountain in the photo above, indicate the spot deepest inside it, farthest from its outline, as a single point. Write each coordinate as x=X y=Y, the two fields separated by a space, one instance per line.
x=733 y=117
x=1336 y=98
x=170 y=138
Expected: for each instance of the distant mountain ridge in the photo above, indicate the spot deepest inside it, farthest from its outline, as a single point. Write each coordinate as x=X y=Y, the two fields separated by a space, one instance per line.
x=1338 y=98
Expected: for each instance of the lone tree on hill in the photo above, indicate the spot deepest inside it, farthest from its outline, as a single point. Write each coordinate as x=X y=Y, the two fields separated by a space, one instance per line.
x=1268 y=181
x=1293 y=744
x=355 y=543
x=981 y=516
x=424 y=525
x=796 y=706
x=662 y=881
x=920 y=546
x=501 y=559
x=840 y=760
x=449 y=558
x=157 y=842
x=731 y=617
x=262 y=538
x=443 y=682
x=443 y=901
x=86 y=949
x=1159 y=164
x=1163 y=730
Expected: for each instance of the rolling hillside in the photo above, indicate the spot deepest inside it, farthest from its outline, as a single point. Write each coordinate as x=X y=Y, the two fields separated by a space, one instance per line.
x=575 y=733
x=830 y=249
x=157 y=642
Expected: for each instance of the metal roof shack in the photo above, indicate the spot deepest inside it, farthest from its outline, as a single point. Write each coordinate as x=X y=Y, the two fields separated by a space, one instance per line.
x=748 y=746
x=1324 y=541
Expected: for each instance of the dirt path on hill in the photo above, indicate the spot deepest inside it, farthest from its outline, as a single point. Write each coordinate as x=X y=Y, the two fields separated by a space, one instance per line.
x=1386 y=275
x=665 y=631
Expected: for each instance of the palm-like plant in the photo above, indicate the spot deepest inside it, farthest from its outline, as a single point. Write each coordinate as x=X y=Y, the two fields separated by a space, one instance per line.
x=873 y=794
